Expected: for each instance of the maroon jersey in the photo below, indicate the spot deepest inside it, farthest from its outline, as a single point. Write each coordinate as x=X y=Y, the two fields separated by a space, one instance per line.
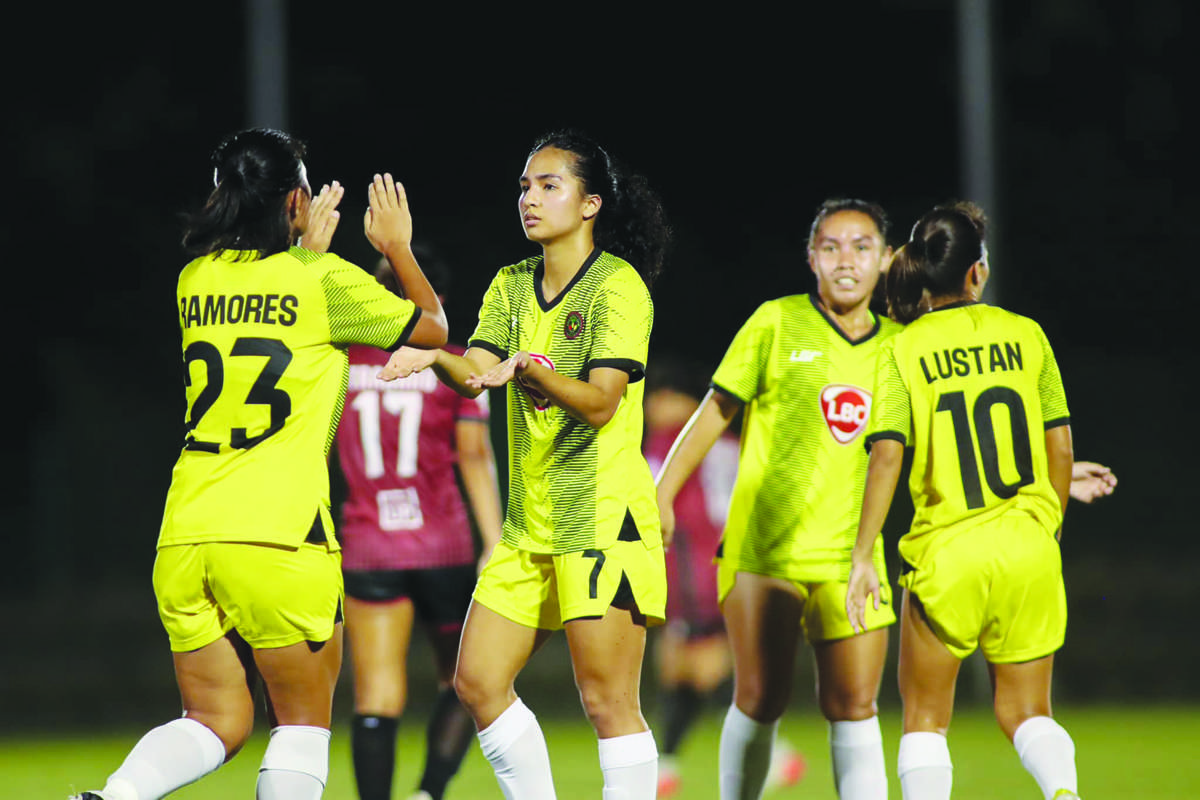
x=700 y=510
x=397 y=448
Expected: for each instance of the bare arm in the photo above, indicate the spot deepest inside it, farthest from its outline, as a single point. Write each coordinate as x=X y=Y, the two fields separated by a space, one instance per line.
x=388 y=225
x=452 y=370
x=1060 y=455
x=593 y=401
x=691 y=446
x=477 y=465
x=883 y=471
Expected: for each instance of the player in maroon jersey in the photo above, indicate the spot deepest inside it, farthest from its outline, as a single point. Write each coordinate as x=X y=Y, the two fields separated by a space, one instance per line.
x=408 y=552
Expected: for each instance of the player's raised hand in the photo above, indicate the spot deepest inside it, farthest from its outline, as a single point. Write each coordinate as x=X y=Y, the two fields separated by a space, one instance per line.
x=863 y=584
x=323 y=218
x=405 y=362
x=1090 y=480
x=387 y=222
x=502 y=373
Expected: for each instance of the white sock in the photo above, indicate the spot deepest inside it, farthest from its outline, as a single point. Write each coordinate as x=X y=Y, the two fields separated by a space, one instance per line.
x=630 y=767
x=1047 y=752
x=516 y=748
x=924 y=766
x=857 y=751
x=745 y=755
x=170 y=756
x=296 y=764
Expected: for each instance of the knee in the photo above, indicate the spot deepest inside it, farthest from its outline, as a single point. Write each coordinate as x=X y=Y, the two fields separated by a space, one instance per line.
x=233 y=729
x=1010 y=715
x=380 y=700
x=759 y=700
x=848 y=704
x=612 y=709
x=478 y=691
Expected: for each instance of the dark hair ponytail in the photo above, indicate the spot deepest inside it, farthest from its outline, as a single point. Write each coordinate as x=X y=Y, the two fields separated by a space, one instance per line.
x=945 y=242
x=631 y=222
x=254 y=170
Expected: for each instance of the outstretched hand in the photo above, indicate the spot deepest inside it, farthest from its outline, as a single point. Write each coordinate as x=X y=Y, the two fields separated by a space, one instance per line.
x=405 y=362
x=1090 y=480
x=323 y=218
x=502 y=373
x=388 y=222
x=863 y=583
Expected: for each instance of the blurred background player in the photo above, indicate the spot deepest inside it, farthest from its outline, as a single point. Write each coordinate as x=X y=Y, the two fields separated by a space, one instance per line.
x=801 y=367
x=692 y=651
x=976 y=392
x=408 y=550
x=248 y=572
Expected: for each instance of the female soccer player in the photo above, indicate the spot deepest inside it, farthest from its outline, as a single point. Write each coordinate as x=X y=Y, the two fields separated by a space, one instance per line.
x=567 y=332
x=801 y=367
x=976 y=392
x=248 y=575
x=407 y=549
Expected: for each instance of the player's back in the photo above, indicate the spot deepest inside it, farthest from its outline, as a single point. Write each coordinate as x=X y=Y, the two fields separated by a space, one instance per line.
x=982 y=388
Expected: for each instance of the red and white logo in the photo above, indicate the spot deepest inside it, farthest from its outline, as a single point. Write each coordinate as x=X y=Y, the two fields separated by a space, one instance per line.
x=540 y=401
x=847 y=410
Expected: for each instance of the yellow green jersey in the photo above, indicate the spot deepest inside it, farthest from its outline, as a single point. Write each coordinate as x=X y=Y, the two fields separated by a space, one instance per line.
x=972 y=389
x=265 y=366
x=806 y=389
x=572 y=485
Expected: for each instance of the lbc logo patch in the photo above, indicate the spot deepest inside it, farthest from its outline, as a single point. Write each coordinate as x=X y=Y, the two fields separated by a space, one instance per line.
x=846 y=410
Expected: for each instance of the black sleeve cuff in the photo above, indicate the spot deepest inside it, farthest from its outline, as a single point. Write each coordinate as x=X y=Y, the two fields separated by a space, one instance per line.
x=1057 y=423
x=495 y=350
x=408 y=329
x=716 y=387
x=636 y=369
x=893 y=435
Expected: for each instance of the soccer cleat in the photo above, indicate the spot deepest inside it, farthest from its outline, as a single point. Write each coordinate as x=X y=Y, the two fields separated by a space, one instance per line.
x=787 y=766
x=420 y=795
x=87 y=796
x=1065 y=794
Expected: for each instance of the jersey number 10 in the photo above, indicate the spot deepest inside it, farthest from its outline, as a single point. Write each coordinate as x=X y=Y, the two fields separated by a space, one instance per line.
x=956 y=404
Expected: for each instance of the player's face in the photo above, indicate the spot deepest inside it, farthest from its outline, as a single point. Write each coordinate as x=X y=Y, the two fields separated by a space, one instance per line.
x=552 y=203
x=847 y=255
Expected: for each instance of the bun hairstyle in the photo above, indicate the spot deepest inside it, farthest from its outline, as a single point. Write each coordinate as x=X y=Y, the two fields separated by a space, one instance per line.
x=944 y=244
x=631 y=223
x=253 y=172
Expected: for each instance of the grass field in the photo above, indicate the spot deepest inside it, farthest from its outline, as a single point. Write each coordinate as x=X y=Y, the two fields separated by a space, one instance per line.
x=1123 y=753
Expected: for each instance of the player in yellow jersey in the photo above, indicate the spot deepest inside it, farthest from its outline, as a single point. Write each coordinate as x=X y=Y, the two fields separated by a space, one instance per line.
x=976 y=392
x=802 y=367
x=248 y=576
x=567 y=332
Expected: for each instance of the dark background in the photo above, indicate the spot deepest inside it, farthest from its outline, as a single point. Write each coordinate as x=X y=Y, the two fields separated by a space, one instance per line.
x=743 y=119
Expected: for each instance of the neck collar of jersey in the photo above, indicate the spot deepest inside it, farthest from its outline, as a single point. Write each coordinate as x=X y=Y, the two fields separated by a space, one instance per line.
x=820 y=307
x=539 y=273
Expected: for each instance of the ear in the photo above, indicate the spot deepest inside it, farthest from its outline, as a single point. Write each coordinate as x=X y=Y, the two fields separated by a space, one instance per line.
x=977 y=277
x=591 y=206
x=298 y=201
x=886 y=260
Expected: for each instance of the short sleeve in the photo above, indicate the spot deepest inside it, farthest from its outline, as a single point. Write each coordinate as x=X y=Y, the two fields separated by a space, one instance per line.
x=622 y=316
x=741 y=370
x=1050 y=386
x=361 y=310
x=492 y=331
x=891 y=408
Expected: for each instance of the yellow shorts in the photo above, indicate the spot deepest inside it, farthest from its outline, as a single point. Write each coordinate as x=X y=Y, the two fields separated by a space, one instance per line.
x=540 y=590
x=824 y=616
x=997 y=586
x=272 y=596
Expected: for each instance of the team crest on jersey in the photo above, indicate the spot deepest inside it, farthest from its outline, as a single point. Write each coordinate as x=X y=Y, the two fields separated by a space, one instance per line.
x=574 y=325
x=540 y=401
x=846 y=410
